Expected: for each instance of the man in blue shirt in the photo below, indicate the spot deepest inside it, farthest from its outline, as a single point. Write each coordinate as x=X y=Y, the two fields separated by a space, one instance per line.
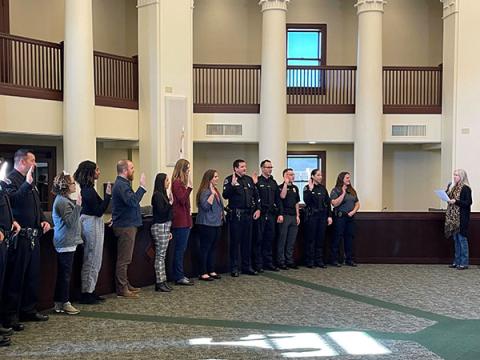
x=126 y=218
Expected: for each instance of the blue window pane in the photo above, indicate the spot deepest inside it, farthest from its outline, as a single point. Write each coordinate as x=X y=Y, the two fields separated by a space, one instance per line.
x=302 y=166
x=303 y=44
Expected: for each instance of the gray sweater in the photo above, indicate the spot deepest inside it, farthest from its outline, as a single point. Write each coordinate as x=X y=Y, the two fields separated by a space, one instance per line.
x=66 y=220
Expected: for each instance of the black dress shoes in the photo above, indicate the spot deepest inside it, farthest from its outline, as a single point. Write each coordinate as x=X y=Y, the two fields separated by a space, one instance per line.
x=5 y=341
x=15 y=326
x=98 y=297
x=322 y=266
x=250 y=272
x=33 y=317
x=88 y=298
x=235 y=274
x=462 y=267
x=453 y=266
x=336 y=265
x=209 y=278
x=283 y=267
x=311 y=266
x=162 y=287
x=293 y=266
x=184 y=281
x=272 y=268
x=259 y=270
x=351 y=263
x=6 y=332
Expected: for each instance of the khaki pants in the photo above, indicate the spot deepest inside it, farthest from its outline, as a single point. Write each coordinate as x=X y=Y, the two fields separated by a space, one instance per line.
x=125 y=244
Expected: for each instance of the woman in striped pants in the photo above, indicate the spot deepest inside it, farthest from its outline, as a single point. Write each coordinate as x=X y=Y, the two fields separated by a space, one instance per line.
x=162 y=221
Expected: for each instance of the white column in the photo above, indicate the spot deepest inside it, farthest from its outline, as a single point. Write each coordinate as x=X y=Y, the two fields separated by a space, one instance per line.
x=79 y=139
x=165 y=58
x=273 y=97
x=460 y=96
x=368 y=150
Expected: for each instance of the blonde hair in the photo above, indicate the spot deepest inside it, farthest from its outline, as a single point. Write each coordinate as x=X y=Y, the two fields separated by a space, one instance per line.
x=180 y=171
x=463 y=177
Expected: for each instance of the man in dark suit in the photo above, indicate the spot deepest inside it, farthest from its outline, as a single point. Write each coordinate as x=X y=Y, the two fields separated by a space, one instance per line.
x=20 y=293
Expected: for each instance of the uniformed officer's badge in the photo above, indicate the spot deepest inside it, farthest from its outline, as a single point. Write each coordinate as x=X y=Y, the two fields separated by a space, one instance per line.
x=261 y=185
x=248 y=184
x=294 y=190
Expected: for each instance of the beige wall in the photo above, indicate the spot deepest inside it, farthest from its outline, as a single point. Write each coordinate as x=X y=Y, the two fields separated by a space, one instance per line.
x=115 y=26
x=412 y=33
x=227 y=32
x=114 y=23
x=38 y=19
x=410 y=175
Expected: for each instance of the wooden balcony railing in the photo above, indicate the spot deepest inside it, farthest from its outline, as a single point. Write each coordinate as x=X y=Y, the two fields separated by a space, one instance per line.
x=30 y=68
x=116 y=80
x=412 y=90
x=321 y=89
x=226 y=88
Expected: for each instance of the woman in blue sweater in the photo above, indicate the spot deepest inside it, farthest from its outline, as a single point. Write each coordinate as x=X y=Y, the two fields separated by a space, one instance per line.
x=93 y=228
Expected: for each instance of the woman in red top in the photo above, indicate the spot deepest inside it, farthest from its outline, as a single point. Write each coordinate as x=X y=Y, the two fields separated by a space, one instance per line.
x=182 y=219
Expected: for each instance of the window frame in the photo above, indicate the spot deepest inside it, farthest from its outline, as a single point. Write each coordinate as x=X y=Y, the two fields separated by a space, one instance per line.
x=320 y=154
x=321 y=28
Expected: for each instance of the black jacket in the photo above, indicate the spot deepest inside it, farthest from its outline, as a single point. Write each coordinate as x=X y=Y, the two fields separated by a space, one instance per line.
x=464 y=203
x=6 y=216
x=25 y=201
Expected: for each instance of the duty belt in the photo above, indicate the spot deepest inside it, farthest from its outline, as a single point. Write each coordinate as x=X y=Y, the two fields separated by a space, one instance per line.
x=30 y=234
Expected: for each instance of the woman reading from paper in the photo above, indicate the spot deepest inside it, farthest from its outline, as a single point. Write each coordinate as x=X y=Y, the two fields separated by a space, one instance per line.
x=457 y=217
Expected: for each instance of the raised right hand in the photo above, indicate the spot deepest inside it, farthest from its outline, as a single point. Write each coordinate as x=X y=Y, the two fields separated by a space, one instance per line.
x=143 y=180
x=108 y=190
x=29 y=176
x=234 y=179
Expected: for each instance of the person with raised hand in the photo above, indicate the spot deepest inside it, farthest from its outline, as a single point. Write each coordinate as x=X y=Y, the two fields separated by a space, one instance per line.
x=126 y=218
x=66 y=237
x=209 y=221
x=345 y=205
x=243 y=208
x=93 y=228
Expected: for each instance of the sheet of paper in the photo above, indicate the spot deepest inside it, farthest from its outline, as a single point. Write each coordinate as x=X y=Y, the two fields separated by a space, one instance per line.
x=442 y=195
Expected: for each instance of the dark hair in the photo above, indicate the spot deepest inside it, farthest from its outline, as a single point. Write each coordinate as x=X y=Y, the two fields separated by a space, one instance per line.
x=122 y=165
x=85 y=173
x=314 y=172
x=287 y=169
x=205 y=183
x=264 y=161
x=237 y=163
x=21 y=154
x=159 y=186
x=339 y=183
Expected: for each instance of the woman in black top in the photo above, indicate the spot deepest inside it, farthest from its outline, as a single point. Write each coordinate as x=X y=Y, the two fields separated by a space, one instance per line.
x=93 y=228
x=457 y=217
x=162 y=222
x=317 y=217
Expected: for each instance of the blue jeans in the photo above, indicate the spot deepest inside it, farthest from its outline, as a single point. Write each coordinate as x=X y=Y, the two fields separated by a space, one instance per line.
x=180 y=236
x=461 y=249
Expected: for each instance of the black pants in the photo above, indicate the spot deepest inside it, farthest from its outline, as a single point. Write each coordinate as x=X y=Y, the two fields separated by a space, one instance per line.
x=344 y=228
x=20 y=289
x=64 y=273
x=315 y=228
x=240 y=235
x=3 y=262
x=209 y=236
x=263 y=240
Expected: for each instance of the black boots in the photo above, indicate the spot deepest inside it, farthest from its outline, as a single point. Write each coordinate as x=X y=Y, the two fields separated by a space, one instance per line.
x=163 y=287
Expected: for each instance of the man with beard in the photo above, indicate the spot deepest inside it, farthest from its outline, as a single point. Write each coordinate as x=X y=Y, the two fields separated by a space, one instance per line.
x=126 y=218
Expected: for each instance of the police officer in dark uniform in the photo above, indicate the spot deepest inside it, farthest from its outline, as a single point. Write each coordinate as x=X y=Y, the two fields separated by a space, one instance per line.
x=264 y=226
x=318 y=214
x=8 y=230
x=20 y=293
x=243 y=208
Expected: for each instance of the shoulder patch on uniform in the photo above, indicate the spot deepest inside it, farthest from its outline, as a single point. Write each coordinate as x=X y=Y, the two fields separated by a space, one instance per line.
x=225 y=182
